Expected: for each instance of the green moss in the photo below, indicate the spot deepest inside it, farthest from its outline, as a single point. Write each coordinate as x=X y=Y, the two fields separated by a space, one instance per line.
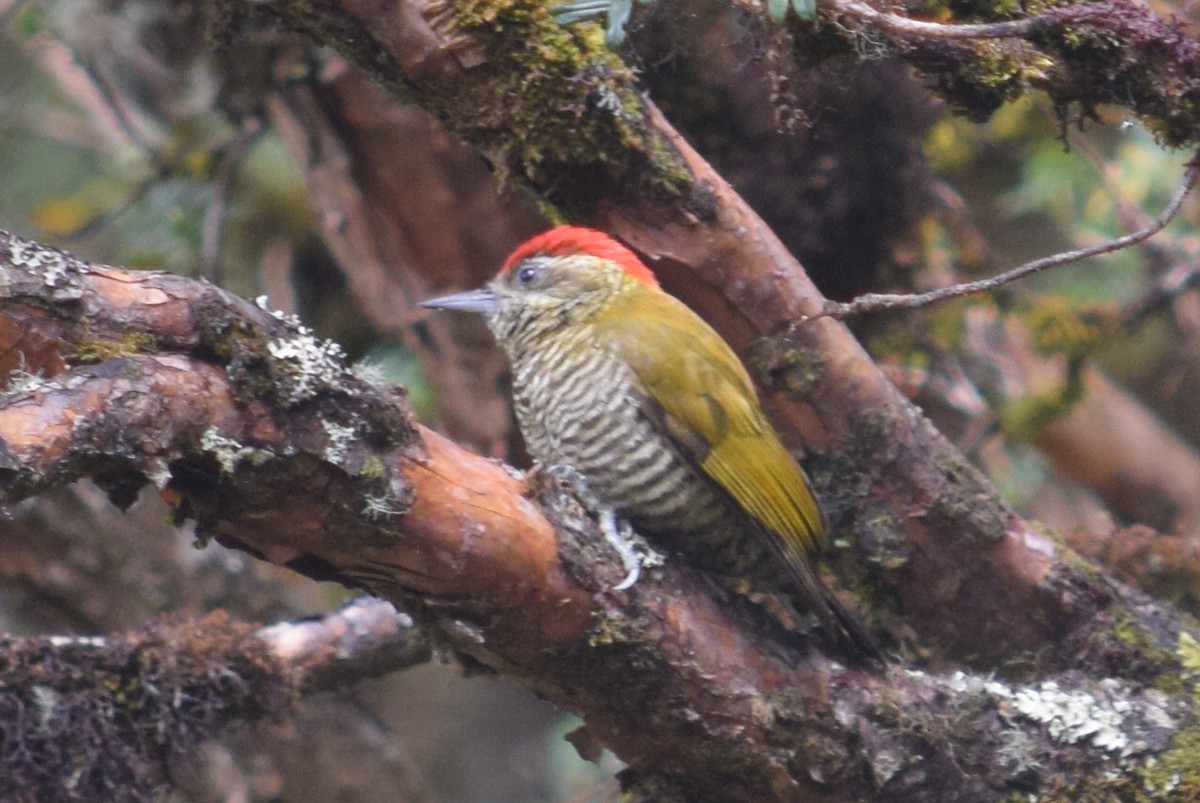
x=976 y=78
x=1132 y=58
x=1128 y=633
x=373 y=468
x=1059 y=326
x=1115 y=52
x=98 y=350
x=554 y=106
x=607 y=633
x=1125 y=647
x=801 y=371
x=550 y=105
x=1085 y=788
x=1189 y=655
x=1023 y=418
x=1175 y=775
x=974 y=10
x=1016 y=797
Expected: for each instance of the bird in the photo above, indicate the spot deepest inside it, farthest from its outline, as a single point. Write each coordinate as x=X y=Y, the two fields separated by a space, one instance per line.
x=637 y=396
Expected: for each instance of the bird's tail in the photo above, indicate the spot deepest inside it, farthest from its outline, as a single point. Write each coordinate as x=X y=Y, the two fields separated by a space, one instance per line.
x=847 y=632
x=844 y=631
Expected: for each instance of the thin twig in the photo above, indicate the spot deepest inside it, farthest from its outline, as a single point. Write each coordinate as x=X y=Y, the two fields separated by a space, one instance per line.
x=896 y=24
x=872 y=302
x=1170 y=281
x=366 y=638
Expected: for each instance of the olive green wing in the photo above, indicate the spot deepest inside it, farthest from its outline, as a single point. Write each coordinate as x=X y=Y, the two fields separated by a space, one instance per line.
x=698 y=391
x=701 y=394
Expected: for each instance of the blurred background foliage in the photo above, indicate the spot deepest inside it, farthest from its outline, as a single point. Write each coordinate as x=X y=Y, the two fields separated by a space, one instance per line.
x=116 y=151
x=137 y=192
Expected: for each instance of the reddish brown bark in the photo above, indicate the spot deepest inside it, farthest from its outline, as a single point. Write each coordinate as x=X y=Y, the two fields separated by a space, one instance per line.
x=685 y=683
x=690 y=687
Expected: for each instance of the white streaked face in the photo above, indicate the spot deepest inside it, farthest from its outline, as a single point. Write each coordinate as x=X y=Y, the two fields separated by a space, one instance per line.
x=546 y=292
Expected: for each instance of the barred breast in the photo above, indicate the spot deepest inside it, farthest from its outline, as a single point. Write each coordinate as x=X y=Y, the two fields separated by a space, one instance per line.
x=579 y=406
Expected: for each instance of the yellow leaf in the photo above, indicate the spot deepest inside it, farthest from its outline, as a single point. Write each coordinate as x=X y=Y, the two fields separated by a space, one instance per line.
x=62 y=216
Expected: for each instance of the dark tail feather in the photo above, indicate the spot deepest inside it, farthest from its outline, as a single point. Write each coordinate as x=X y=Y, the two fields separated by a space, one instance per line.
x=847 y=633
x=844 y=631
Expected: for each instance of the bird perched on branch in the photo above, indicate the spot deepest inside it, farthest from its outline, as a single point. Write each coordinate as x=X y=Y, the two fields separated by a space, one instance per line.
x=633 y=392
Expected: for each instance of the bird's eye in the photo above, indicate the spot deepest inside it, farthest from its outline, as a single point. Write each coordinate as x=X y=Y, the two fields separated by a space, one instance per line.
x=526 y=274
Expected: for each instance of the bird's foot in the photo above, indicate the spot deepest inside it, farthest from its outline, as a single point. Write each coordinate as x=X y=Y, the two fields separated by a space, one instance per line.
x=618 y=533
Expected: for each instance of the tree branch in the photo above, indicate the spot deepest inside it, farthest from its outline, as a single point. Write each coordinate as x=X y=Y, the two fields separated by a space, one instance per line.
x=874 y=302
x=97 y=717
x=277 y=448
x=627 y=170
x=322 y=472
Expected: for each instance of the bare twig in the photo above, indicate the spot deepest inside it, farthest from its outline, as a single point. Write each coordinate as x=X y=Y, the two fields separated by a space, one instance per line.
x=874 y=302
x=366 y=638
x=904 y=26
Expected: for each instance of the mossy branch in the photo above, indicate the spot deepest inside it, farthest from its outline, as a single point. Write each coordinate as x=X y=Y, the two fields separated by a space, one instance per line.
x=323 y=472
x=1082 y=55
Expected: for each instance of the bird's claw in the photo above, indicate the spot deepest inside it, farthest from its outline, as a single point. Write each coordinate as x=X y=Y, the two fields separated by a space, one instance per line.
x=617 y=532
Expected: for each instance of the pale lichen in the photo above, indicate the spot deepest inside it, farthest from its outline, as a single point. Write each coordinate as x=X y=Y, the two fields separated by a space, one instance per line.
x=380 y=507
x=310 y=365
x=1073 y=716
x=340 y=439
x=21 y=380
x=229 y=453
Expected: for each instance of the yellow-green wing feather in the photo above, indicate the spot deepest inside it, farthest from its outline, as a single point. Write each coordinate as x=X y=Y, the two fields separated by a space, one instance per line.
x=711 y=407
x=699 y=391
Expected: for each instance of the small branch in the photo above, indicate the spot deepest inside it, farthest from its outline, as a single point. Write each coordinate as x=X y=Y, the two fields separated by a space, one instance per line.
x=905 y=26
x=87 y=715
x=875 y=302
x=366 y=638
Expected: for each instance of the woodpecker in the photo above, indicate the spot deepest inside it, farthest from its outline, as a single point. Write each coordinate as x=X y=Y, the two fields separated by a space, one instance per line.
x=625 y=385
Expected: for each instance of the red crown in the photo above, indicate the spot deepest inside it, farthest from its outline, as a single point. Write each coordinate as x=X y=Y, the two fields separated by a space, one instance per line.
x=570 y=240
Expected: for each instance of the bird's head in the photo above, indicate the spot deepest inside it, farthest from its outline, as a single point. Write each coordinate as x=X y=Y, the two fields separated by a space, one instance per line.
x=558 y=278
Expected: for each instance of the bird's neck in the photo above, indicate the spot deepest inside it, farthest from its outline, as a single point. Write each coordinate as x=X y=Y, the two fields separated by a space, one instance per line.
x=529 y=332
x=544 y=337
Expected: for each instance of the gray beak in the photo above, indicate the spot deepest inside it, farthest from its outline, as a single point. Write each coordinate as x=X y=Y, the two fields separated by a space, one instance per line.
x=483 y=301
